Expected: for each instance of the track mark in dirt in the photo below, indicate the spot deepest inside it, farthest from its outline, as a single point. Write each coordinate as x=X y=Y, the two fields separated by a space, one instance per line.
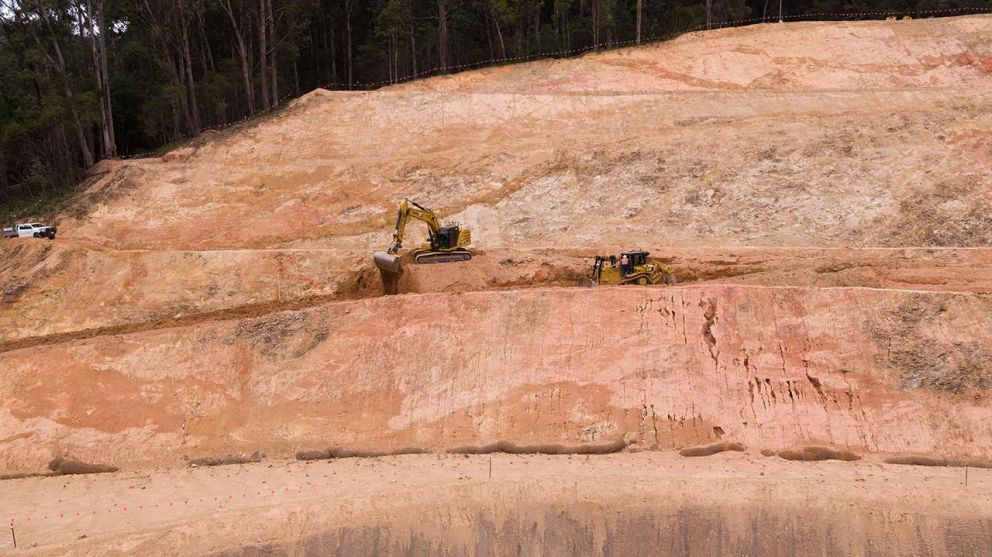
x=543 y=448
x=918 y=460
x=815 y=453
x=334 y=452
x=67 y=466
x=226 y=460
x=241 y=312
x=707 y=450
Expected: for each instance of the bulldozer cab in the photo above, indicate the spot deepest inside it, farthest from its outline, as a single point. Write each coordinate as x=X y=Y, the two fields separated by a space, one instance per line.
x=636 y=258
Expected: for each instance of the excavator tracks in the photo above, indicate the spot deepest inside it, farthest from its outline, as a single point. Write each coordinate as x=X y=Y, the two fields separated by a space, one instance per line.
x=426 y=257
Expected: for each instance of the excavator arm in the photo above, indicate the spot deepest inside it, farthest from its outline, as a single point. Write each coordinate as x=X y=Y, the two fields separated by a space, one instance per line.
x=403 y=217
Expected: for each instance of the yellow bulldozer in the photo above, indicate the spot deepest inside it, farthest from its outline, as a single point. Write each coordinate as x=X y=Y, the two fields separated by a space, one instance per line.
x=632 y=267
x=444 y=243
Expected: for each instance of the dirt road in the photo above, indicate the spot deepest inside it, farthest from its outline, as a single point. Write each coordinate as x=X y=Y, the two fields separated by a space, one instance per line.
x=553 y=505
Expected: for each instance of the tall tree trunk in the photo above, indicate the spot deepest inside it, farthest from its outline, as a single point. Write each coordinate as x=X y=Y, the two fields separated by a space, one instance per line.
x=177 y=72
x=489 y=37
x=567 y=29
x=442 y=42
x=322 y=47
x=174 y=67
x=206 y=62
x=296 y=79
x=389 y=59
x=639 y=9
x=102 y=22
x=709 y=13
x=84 y=146
x=537 y=30
x=98 y=48
x=347 y=20
x=187 y=67
x=209 y=62
x=263 y=53
x=396 y=57
x=595 y=24
x=413 y=49
x=499 y=32
x=242 y=49
x=273 y=54
x=334 y=58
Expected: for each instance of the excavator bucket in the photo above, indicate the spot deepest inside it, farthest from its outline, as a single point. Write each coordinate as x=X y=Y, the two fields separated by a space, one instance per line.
x=389 y=270
x=386 y=262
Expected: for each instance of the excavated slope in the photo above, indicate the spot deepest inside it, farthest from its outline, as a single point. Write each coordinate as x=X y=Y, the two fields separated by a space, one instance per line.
x=773 y=368
x=899 y=157
x=579 y=152
x=821 y=189
x=796 y=57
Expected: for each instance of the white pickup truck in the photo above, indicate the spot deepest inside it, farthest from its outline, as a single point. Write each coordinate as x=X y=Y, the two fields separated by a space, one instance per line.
x=29 y=230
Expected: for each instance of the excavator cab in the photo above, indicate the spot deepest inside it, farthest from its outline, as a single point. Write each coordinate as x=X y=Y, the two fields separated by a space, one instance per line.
x=447 y=237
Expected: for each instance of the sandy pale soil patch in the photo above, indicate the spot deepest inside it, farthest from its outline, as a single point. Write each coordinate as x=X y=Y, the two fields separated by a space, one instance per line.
x=431 y=504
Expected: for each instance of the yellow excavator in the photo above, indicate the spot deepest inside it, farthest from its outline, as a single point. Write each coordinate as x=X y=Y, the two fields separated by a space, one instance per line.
x=632 y=267
x=445 y=243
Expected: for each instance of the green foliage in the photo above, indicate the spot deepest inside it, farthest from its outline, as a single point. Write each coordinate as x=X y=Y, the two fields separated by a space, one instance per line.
x=32 y=207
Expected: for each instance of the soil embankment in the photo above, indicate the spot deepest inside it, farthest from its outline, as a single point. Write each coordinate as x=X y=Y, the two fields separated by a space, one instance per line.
x=57 y=293
x=821 y=190
x=768 y=367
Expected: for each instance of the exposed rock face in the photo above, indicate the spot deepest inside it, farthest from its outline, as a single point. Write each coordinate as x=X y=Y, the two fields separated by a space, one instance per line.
x=767 y=367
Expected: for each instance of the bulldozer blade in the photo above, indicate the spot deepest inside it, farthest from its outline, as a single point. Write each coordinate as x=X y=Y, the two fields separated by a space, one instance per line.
x=386 y=262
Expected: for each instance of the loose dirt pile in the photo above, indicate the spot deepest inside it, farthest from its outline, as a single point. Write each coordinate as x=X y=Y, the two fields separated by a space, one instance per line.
x=821 y=189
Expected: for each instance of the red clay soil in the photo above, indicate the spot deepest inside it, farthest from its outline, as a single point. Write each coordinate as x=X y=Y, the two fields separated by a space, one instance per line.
x=821 y=189
x=769 y=367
